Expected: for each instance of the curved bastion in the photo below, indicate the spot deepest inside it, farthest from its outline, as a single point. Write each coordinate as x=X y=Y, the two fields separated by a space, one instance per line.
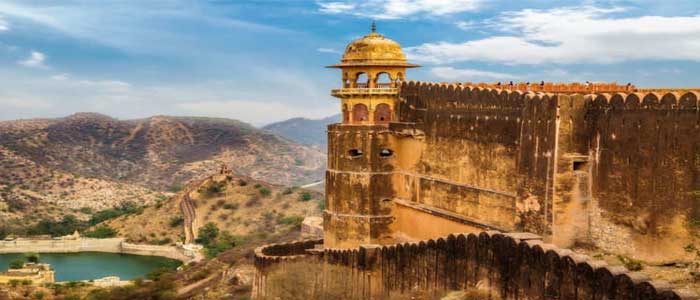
x=503 y=265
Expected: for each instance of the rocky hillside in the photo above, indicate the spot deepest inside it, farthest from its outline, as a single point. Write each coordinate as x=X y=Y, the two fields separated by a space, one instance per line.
x=246 y=208
x=304 y=131
x=59 y=166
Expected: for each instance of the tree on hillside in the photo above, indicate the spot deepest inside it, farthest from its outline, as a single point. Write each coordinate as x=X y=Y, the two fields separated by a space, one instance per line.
x=208 y=234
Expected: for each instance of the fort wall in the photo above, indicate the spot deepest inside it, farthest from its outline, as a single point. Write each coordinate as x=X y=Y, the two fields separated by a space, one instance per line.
x=506 y=266
x=645 y=171
x=488 y=155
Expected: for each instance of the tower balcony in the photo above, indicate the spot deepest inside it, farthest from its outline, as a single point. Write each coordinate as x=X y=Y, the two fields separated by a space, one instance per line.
x=364 y=91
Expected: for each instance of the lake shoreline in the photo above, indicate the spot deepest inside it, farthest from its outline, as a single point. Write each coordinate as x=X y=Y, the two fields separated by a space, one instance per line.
x=108 y=245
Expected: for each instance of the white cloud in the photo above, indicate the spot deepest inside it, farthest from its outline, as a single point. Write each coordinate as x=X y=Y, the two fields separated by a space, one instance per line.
x=466 y=25
x=3 y=25
x=573 y=35
x=36 y=59
x=335 y=7
x=394 y=9
x=469 y=74
x=327 y=50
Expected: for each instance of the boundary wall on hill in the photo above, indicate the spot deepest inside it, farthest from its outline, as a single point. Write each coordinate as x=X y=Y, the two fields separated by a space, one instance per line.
x=506 y=266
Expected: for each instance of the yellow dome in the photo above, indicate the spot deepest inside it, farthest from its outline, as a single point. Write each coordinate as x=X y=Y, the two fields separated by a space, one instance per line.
x=373 y=50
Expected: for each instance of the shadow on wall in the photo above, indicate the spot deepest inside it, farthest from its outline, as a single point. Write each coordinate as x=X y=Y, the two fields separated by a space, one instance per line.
x=301 y=280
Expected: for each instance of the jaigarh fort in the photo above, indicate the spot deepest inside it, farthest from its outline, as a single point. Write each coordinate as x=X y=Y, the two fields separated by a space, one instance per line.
x=445 y=186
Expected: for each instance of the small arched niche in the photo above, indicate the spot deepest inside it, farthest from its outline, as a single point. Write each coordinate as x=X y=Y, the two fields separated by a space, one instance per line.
x=382 y=114
x=360 y=113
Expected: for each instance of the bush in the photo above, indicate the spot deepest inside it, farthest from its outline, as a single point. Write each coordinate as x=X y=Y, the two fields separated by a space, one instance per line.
x=222 y=244
x=175 y=188
x=292 y=220
x=305 y=196
x=287 y=191
x=231 y=206
x=176 y=221
x=32 y=257
x=631 y=263
x=208 y=234
x=212 y=188
x=101 y=232
x=257 y=185
x=265 y=192
x=16 y=264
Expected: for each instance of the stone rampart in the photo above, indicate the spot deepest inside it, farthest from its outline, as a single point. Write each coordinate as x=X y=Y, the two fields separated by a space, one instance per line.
x=507 y=266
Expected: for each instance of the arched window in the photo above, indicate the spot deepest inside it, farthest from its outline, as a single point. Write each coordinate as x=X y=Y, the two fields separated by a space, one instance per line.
x=382 y=114
x=346 y=81
x=383 y=80
x=361 y=80
x=360 y=113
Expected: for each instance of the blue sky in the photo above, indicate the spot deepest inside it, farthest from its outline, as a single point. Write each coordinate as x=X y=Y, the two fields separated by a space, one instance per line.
x=262 y=61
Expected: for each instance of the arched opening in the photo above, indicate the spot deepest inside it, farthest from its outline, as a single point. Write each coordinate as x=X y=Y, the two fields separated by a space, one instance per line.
x=346 y=114
x=386 y=153
x=383 y=80
x=382 y=114
x=359 y=113
x=362 y=80
x=355 y=153
x=346 y=81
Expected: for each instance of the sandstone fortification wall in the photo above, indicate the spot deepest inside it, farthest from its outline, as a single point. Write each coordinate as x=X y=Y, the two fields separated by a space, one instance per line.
x=620 y=171
x=506 y=266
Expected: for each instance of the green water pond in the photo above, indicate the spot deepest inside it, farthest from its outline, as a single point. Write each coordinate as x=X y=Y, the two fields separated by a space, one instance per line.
x=95 y=265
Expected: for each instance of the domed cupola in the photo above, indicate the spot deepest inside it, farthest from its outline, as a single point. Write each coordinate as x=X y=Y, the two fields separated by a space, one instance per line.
x=372 y=66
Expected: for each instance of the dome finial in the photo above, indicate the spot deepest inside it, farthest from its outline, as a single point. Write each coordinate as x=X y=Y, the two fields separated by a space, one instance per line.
x=374 y=26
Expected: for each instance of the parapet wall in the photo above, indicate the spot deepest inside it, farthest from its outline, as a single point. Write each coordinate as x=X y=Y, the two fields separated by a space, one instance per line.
x=506 y=266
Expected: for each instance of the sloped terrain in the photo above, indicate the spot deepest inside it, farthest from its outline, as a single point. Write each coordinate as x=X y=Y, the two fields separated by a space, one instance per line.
x=246 y=208
x=92 y=161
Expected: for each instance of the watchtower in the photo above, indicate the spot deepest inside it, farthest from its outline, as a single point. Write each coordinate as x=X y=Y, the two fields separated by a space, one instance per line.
x=372 y=68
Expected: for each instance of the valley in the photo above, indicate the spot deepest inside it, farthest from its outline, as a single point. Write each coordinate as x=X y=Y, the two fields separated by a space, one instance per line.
x=87 y=162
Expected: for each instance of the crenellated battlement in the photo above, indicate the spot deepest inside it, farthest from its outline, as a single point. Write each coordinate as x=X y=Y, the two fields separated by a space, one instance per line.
x=671 y=100
x=559 y=87
x=502 y=265
x=482 y=96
